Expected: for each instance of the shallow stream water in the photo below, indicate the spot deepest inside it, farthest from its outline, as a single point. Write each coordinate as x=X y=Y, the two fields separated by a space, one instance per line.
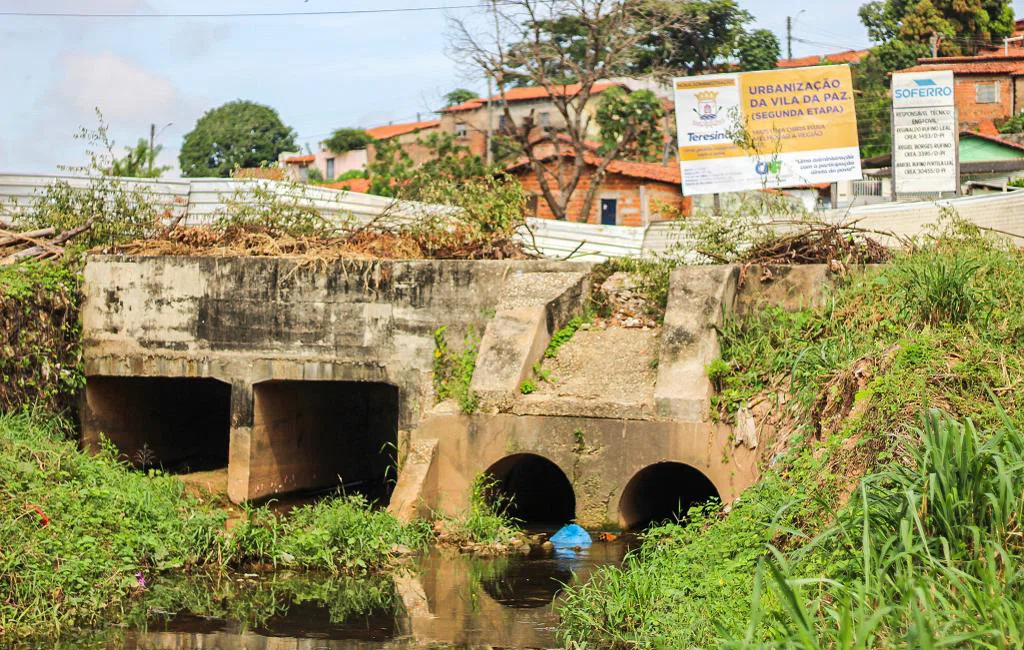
x=443 y=600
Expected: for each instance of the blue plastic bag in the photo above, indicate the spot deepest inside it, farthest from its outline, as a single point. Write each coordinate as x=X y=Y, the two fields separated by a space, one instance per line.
x=571 y=536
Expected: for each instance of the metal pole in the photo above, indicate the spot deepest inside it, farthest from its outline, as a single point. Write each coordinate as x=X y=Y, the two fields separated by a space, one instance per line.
x=149 y=154
x=956 y=150
x=789 y=37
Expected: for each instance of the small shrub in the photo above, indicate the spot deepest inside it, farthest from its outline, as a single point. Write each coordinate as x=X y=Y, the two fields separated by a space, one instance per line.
x=562 y=336
x=453 y=371
x=527 y=386
x=486 y=520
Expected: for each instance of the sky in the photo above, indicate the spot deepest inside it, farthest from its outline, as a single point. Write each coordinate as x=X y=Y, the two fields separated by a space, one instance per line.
x=320 y=72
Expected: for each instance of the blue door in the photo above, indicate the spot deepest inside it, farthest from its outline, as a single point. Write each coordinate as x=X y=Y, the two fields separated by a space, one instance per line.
x=609 y=211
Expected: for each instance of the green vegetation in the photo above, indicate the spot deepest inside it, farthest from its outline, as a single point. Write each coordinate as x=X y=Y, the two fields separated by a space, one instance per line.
x=637 y=114
x=40 y=344
x=486 y=521
x=926 y=547
x=235 y=134
x=81 y=535
x=453 y=371
x=343 y=140
x=562 y=336
x=527 y=386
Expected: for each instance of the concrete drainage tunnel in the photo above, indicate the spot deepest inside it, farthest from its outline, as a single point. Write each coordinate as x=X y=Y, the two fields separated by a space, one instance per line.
x=307 y=436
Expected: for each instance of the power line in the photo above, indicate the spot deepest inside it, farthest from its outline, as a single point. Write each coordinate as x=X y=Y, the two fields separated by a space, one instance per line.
x=275 y=14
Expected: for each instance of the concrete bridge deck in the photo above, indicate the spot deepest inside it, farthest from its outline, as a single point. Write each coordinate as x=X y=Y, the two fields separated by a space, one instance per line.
x=297 y=376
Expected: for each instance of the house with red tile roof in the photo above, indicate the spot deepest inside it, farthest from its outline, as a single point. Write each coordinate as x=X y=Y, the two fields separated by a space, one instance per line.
x=853 y=57
x=630 y=194
x=988 y=88
x=468 y=121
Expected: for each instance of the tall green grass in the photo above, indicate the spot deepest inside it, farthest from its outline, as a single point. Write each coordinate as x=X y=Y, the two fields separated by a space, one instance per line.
x=83 y=536
x=926 y=555
x=940 y=328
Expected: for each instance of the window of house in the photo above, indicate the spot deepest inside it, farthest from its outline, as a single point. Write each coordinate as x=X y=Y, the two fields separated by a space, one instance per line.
x=987 y=92
x=545 y=119
x=461 y=129
x=330 y=170
x=502 y=123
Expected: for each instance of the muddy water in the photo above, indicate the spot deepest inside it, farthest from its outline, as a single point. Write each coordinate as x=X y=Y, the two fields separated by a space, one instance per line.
x=445 y=600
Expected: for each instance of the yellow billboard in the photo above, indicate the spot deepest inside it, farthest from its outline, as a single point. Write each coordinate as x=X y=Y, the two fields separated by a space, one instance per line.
x=773 y=128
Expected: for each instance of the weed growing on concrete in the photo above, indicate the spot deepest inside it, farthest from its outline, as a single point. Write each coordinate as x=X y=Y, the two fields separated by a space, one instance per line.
x=562 y=336
x=527 y=386
x=453 y=371
x=485 y=521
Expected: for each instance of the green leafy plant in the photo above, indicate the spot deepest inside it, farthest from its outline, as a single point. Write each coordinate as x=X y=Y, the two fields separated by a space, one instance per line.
x=486 y=519
x=562 y=336
x=453 y=371
x=527 y=386
x=343 y=140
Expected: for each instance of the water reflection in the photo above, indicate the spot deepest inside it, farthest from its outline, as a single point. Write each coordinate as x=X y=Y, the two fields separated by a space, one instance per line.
x=446 y=600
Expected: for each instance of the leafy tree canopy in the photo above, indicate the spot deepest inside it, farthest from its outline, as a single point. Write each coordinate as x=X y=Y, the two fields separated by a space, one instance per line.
x=458 y=96
x=392 y=171
x=758 y=50
x=963 y=25
x=236 y=134
x=705 y=33
x=639 y=113
x=343 y=140
x=138 y=162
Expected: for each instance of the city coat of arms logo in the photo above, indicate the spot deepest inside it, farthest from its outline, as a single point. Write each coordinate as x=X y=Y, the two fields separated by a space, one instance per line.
x=707 y=105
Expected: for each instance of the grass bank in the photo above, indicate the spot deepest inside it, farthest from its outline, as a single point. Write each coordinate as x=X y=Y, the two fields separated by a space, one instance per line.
x=82 y=536
x=879 y=521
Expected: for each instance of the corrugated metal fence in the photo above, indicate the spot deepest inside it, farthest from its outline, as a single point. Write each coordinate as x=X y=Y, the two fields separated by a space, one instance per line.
x=198 y=201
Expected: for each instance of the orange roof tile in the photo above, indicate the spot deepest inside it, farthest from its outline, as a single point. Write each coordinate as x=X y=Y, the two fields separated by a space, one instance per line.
x=527 y=93
x=299 y=160
x=977 y=67
x=361 y=185
x=393 y=130
x=849 y=56
x=648 y=171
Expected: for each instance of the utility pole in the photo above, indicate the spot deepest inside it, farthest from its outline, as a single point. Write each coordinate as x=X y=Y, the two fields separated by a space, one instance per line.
x=789 y=37
x=934 y=43
x=149 y=154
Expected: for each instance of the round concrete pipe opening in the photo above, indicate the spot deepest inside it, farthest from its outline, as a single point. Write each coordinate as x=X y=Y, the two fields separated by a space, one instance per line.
x=534 y=490
x=663 y=491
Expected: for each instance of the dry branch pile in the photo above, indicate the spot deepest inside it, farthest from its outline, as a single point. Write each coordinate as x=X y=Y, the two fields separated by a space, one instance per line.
x=40 y=244
x=819 y=244
x=361 y=243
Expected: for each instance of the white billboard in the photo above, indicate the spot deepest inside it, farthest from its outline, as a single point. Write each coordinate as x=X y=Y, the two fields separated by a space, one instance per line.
x=767 y=129
x=924 y=132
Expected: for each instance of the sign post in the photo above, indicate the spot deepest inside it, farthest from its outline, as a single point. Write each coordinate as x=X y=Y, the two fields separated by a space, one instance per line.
x=925 y=137
x=767 y=129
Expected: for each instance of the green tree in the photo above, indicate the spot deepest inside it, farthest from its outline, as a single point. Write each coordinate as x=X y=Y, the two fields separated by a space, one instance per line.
x=458 y=96
x=138 y=162
x=700 y=36
x=236 y=134
x=343 y=140
x=393 y=173
x=758 y=50
x=639 y=113
x=962 y=25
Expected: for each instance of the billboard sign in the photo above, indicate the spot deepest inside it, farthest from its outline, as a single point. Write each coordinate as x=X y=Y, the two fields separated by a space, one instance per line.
x=773 y=128
x=924 y=132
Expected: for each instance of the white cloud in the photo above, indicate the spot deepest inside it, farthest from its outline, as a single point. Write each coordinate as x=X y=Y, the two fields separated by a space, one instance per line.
x=126 y=92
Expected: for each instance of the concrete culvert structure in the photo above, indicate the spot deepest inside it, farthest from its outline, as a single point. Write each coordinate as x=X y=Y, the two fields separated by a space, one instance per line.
x=309 y=435
x=179 y=424
x=536 y=490
x=663 y=491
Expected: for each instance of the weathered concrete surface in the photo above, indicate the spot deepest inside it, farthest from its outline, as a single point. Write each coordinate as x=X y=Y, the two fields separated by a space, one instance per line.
x=533 y=306
x=789 y=287
x=419 y=477
x=698 y=299
x=597 y=455
x=250 y=321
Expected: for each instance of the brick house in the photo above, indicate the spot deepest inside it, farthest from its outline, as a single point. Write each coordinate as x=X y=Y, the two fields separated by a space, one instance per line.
x=467 y=121
x=408 y=135
x=989 y=88
x=631 y=194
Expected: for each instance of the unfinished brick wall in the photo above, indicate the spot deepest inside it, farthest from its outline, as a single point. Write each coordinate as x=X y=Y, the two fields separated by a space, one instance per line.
x=664 y=200
x=972 y=113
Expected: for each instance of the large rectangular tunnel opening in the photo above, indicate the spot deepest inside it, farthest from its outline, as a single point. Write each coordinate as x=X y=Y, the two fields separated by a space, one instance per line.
x=177 y=424
x=312 y=435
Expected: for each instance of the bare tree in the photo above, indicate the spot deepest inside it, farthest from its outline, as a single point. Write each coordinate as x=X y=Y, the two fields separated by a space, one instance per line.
x=566 y=47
